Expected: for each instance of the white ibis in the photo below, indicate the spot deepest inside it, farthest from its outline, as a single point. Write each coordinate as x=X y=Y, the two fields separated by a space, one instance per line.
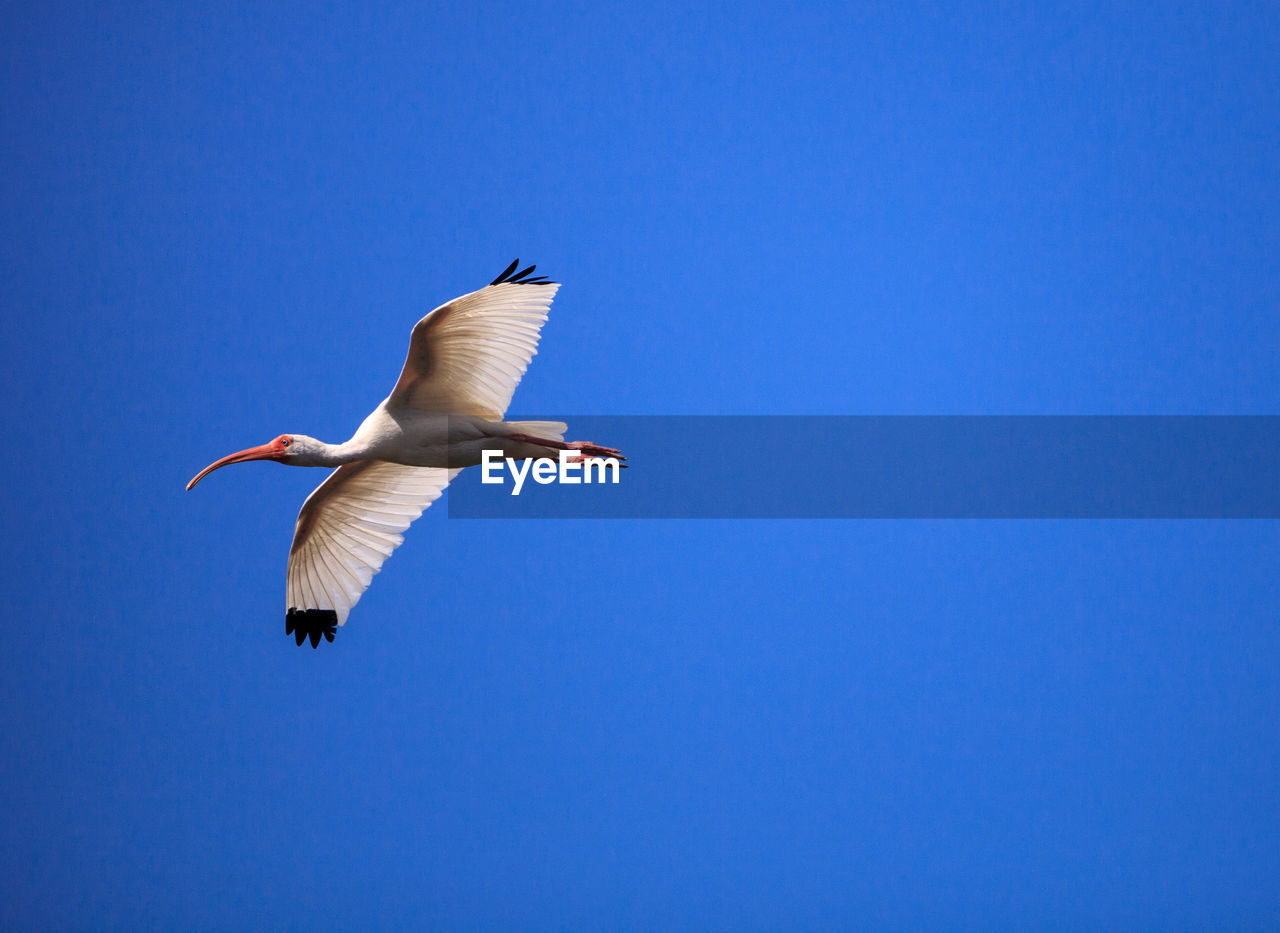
x=465 y=361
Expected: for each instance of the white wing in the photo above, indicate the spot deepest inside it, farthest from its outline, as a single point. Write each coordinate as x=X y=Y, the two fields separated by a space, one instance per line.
x=347 y=527
x=467 y=357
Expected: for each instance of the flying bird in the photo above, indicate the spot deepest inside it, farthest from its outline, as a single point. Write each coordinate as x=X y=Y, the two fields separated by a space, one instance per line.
x=465 y=360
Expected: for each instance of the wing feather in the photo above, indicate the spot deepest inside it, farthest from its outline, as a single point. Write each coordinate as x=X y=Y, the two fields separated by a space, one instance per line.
x=350 y=525
x=467 y=356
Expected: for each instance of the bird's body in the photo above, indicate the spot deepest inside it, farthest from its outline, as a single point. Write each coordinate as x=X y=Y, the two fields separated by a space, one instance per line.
x=426 y=439
x=465 y=359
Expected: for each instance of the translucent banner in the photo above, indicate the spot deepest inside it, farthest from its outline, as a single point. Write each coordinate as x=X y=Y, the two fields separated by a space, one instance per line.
x=897 y=467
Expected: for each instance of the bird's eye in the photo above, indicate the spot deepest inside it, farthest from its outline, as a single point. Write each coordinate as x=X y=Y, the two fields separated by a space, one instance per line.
x=284 y=441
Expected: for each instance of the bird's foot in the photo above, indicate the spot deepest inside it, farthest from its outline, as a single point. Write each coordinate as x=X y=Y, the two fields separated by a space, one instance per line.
x=311 y=623
x=588 y=451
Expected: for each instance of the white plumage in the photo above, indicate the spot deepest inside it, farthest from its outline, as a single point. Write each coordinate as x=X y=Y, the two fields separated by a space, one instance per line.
x=465 y=360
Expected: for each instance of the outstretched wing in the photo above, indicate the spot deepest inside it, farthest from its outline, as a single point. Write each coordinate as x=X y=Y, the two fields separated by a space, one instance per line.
x=347 y=527
x=467 y=357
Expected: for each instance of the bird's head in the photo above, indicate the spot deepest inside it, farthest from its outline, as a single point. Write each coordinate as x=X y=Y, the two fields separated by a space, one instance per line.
x=293 y=449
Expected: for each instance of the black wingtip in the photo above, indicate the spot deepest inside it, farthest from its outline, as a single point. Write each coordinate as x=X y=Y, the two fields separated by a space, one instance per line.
x=311 y=623
x=515 y=264
x=520 y=278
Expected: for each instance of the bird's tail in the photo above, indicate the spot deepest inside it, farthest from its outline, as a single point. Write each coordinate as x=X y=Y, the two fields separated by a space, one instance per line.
x=547 y=430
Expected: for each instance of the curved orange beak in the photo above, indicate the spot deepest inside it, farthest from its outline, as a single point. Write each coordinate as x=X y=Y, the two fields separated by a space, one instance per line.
x=270 y=451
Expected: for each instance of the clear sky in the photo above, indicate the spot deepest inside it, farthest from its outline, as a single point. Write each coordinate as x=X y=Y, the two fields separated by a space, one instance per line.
x=219 y=226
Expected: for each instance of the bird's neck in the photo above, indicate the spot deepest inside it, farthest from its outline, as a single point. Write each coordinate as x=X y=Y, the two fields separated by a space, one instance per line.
x=346 y=452
x=332 y=455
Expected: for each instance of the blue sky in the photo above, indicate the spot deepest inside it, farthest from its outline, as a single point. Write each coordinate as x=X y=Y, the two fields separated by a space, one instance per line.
x=220 y=225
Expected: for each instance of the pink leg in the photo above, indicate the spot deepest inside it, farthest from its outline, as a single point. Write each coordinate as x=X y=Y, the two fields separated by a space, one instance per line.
x=587 y=448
